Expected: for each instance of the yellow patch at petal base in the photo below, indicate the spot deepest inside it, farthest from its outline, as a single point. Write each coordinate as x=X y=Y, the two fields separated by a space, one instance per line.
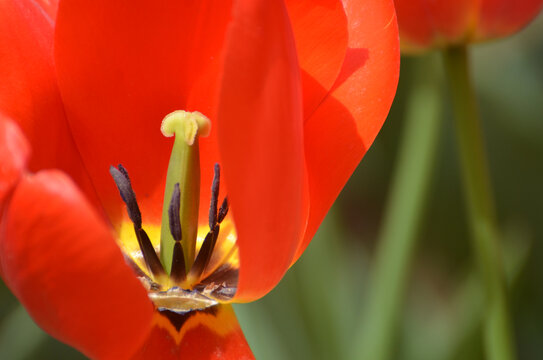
x=128 y=243
x=208 y=334
x=224 y=253
x=221 y=319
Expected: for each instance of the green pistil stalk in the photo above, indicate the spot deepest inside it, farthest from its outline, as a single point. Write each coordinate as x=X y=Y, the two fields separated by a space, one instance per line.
x=480 y=203
x=184 y=168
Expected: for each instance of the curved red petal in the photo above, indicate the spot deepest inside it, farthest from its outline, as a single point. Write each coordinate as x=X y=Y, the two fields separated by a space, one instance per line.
x=504 y=17
x=320 y=31
x=211 y=334
x=14 y=153
x=50 y=7
x=261 y=142
x=28 y=91
x=123 y=66
x=342 y=129
x=425 y=23
x=62 y=263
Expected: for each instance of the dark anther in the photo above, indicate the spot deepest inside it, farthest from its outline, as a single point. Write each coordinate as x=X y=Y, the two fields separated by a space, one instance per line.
x=149 y=254
x=204 y=255
x=214 y=197
x=178 y=272
x=216 y=216
x=125 y=173
x=120 y=176
x=223 y=210
x=173 y=213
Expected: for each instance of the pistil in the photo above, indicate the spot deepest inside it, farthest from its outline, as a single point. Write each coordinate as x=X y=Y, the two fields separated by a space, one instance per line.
x=184 y=169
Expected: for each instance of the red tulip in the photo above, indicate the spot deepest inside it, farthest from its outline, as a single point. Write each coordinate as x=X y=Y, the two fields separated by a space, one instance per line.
x=437 y=23
x=296 y=94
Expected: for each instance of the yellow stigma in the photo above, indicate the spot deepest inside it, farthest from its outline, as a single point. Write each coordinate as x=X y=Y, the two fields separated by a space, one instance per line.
x=186 y=125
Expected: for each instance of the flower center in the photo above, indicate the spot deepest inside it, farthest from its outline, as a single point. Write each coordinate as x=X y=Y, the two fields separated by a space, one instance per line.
x=194 y=267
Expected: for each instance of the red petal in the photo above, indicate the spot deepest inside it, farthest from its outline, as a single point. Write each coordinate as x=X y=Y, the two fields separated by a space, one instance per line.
x=29 y=93
x=212 y=334
x=123 y=66
x=424 y=23
x=50 y=7
x=62 y=263
x=320 y=30
x=261 y=143
x=342 y=129
x=505 y=17
x=14 y=152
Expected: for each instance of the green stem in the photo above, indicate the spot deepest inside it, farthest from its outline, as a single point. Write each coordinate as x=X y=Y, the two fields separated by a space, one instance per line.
x=480 y=205
x=402 y=216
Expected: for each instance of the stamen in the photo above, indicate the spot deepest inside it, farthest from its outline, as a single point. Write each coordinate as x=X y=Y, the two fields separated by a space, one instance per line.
x=120 y=176
x=223 y=210
x=215 y=218
x=149 y=255
x=178 y=272
x=125 y=173
x=214 y=197
x=204 y=255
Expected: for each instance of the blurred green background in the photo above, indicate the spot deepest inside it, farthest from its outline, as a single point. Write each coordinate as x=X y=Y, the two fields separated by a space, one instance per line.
x=316 y=311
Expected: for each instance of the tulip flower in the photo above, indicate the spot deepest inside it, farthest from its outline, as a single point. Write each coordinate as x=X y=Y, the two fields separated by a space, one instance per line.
x=290 y=96
x=427 y=24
